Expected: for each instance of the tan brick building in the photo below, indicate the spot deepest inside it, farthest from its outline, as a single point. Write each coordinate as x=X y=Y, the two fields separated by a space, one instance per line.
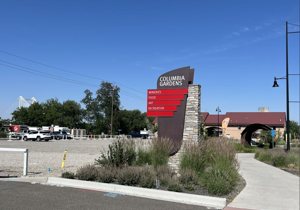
x=244 y=124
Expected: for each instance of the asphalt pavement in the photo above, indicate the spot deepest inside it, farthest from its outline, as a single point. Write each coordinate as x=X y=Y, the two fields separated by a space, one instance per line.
x=31 y=196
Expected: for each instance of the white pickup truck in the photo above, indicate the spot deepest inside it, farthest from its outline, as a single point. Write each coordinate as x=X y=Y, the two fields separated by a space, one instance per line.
x=37 y=135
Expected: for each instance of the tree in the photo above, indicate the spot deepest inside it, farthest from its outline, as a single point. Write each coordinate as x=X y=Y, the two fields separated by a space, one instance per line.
x=53 y=110
x=132 y=120
x=266 y=136
x=20 y=116
x=99 y=109
x=36 y=115
x=294 y=128
x=72 y=114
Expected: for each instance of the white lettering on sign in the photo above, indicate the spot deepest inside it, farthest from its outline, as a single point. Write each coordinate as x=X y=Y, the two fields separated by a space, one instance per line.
x=151 y=97
x=171 y=81
x=154 y=91
x=156 y=108
x=150 y=102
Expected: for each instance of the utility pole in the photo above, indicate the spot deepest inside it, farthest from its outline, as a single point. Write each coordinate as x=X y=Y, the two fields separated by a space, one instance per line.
x=112 y=112
x=218 y=110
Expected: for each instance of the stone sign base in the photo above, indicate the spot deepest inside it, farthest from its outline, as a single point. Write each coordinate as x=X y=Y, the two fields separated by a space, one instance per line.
x=192 y=123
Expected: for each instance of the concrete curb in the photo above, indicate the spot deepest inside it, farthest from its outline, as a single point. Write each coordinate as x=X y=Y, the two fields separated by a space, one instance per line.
x=215 y=202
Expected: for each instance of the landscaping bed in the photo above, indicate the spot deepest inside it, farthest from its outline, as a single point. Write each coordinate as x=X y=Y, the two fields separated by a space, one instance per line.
x=278 y=157
x=208 y=169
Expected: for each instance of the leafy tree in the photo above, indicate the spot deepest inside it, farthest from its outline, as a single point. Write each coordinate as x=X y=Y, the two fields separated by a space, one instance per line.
x=98 y=109
x=294 y=128
x=20 y=116
x=4 y=122
x=132 y=121
x=266 y=136
x=53 y=110
x=72 y=114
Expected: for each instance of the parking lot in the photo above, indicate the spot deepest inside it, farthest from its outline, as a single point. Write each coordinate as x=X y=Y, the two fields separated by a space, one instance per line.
x=44 y=155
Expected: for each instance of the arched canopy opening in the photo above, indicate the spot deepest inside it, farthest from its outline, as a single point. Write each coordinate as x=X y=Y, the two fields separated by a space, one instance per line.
x=249 y=130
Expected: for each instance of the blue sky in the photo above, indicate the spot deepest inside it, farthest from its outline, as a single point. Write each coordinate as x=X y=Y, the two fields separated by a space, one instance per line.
x=236 y=47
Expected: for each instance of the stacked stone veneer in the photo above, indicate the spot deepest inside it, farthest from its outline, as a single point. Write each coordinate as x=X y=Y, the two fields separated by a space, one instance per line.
x=192 y=123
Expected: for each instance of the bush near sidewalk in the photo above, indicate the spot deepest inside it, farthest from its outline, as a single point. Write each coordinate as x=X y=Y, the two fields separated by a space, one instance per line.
x=215 y=164
x=278 y=157
x=210 y=166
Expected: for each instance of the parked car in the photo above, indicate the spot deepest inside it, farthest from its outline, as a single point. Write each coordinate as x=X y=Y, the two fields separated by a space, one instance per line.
x=138 y=135
x=60 y=135
x=37 y=135
x=20 y=135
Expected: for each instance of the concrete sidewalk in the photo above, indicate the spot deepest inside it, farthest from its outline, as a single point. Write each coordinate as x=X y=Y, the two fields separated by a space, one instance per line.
x=268 y=188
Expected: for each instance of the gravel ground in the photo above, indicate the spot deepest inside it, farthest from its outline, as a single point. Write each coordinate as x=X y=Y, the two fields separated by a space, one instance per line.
x=43 y=155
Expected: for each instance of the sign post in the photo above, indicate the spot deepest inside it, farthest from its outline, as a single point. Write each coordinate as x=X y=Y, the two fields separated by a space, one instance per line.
x=273 y=135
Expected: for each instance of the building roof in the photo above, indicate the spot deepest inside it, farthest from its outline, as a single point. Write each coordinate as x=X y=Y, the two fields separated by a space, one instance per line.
x=246 y=118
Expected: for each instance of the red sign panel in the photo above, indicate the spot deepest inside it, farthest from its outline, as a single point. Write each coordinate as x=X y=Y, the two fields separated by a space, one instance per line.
x=169 y=102
x=160 y=114
x=163 y=102
x=165 y=97
x=167 y=91
x=161 y=108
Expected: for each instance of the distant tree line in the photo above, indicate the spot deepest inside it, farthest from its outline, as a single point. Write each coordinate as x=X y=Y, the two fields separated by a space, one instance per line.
x=95 y=117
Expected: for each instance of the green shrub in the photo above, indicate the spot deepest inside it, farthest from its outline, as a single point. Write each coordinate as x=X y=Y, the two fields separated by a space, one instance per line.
x=143 y=157
x=279 y=161
x=107 y=174
x=119 y=153
x=221 y=177
x=280 y=142
x=166 y=175
x=3 y=134
x=129 y=152
x=188 y=176
x=293 y=157
x=160 y=150
x=257 y=154
x=129 y=176
x=147 y=178
x=265 y=157
x=87 y=172
x=198 y=157
x=68 y=175
x=244 y=149
x=189 y=187
x=175 y=188
x=192 y=158
x=238 y=147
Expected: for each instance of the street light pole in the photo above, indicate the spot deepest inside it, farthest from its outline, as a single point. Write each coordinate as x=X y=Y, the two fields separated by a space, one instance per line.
x=218 y=110
x=287 y=90
x=287 y=86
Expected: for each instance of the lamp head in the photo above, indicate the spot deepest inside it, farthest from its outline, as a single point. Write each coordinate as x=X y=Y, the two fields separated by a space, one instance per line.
x=275 y=83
